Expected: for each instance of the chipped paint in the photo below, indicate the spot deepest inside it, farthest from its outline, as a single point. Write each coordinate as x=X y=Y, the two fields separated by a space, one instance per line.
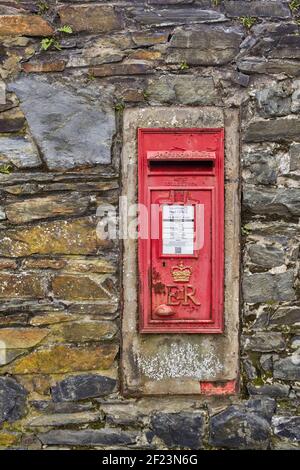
x=180 y=360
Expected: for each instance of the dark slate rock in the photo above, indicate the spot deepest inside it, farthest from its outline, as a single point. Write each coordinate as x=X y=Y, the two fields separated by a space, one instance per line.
x=295 y=156
x=236 y=428
x=262 y=8
x=185 y=89
x=19 y=151
x=288 y=368
x=12 y=400
x=89 y=437
x=274 y=30
x=287 y=48
x=263 y=65
x=176 y=16
x=264 y=287
x=70 y=130
x=268 y=201
x=184 y=429
x=11 y=123
x=80 y=387
x=276 y=130
x=285 y=316
x=274 y=390
x=287 y=427
x=266 y=256
x=261 y=166
x=49 y=407
x=264 y=342
x=275 y=100
x=240 y=79
x=263 y=406
x=205 y=46
x=266 y=362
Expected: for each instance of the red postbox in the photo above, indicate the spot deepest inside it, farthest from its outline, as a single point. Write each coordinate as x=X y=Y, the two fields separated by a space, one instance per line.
x=181 y=230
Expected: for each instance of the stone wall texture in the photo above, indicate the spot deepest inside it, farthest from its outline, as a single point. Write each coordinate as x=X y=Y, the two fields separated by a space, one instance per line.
x=67 y=71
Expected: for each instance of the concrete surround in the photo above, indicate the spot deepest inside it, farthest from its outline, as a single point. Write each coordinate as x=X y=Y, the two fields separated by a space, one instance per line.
x=156 y=364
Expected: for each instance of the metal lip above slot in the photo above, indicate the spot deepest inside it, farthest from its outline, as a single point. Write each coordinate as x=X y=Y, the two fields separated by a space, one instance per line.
x=180 y=155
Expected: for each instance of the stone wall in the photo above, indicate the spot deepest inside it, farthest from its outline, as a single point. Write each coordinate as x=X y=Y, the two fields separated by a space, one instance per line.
x=68 y=70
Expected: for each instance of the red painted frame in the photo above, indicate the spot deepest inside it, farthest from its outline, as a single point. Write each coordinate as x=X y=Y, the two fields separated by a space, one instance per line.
x=145 y=185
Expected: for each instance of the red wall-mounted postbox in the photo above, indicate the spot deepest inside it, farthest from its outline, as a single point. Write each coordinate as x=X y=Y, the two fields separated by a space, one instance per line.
x=181 y=230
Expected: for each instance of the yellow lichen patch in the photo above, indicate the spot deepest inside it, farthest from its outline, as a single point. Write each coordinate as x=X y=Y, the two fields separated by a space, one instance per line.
x=7 y=439
x=61 y=359
x=79 y=332
x=22 y=338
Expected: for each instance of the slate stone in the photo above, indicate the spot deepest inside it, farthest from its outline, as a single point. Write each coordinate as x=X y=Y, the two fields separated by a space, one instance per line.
x=275 y=390
x=252 y=65
x=184 y=89
x=260 y=166
x=264 y=342
x=80 y=387
x=295 y=108
x=24 y=25
x=207 y=45
x=70 y=130
x=175 y=16
x=11 y=121
x=263 y=406
x=275 y=130
x=108 y=70
x=240 y=79
x=2 y=213
x=49 y=407
x=266 y=362
x=184 y=429
x=264 y=287
x=260 y=8
x=288 y=47
x=288 y=368
x=285 y=316
x=49 y=206
x=91 y=18
x=236 y=428
x=64 y=419
x=295 y=157
x=19 y=151
x=266 y=256
x=12 y=400
x=287 y=427
x=89 y=437
x=268 y=201
x=274 y=100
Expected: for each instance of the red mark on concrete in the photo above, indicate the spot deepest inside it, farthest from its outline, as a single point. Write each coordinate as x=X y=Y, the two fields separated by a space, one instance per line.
x=218 y=388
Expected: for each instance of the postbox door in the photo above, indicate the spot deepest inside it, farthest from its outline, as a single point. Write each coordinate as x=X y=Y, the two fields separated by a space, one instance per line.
x=181 y=260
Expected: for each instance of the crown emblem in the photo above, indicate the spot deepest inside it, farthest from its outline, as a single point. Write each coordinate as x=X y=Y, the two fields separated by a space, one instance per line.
x=181 y=273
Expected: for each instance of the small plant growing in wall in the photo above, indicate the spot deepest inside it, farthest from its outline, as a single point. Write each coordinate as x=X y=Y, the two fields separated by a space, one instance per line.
x=248 y=21
x=215 y=3
x=48 y=43
x=43 y=7
x=119 y=107
x=54 y=42
x=6 y=169
x=183 y=66
x=146 y=95
x=67 y=29
x=294 y=6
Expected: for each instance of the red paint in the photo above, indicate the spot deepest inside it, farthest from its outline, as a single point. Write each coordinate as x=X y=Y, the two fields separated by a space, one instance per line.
x=183 y=292
x=224 y=388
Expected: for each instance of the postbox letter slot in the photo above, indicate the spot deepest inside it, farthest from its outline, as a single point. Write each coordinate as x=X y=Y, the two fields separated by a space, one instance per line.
x=180 y=156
